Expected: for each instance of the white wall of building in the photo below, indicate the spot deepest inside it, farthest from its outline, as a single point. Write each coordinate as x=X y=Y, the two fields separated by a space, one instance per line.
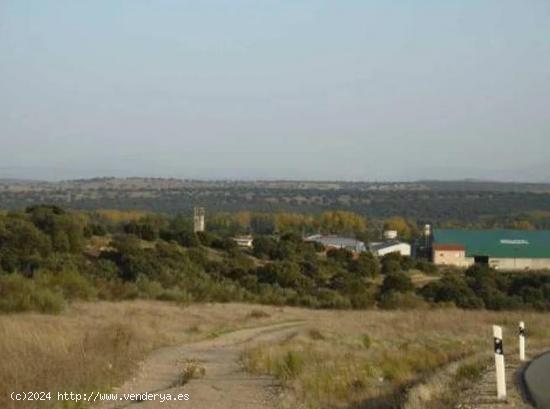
x=247 y=242
x=456 y=258
x=402 y=248
x=520 y=263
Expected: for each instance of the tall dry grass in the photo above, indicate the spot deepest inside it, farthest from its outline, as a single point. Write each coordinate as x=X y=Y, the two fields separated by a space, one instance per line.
x=341 y=359
x=95 y=346
x=368 y=359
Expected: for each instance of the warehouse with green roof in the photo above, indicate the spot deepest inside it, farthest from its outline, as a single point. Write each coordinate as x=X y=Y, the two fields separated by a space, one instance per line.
x=501 y=249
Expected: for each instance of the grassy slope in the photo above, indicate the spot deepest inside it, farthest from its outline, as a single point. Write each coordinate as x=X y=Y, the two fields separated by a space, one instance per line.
x=340 y=358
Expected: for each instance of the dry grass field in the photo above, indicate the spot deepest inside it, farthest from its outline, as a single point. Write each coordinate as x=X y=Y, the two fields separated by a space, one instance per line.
x=95 y=346
x=336 y=359
x=371 y=359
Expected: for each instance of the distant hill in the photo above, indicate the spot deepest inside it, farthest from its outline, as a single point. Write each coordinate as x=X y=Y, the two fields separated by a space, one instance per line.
x=170 y=183
x=422 y=200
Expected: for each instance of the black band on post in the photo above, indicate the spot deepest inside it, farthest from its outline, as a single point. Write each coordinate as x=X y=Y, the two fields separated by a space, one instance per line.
x=499 y=349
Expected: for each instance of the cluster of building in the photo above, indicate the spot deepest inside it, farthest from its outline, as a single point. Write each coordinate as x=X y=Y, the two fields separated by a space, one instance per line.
x=390 y=244
x=500 y=249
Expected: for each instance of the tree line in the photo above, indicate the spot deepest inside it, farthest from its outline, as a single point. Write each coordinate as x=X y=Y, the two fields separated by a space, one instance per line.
x=50 y=256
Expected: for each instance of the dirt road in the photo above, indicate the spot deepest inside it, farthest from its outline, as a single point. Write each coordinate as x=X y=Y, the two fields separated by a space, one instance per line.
x=216 y=378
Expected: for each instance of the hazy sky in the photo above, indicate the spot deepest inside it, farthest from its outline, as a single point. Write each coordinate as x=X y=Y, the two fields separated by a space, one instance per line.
x=341 y=89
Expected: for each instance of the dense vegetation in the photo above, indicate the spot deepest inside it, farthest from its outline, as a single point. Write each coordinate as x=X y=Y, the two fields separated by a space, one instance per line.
x=481 y=204
x=481 y=287
x=50 y=256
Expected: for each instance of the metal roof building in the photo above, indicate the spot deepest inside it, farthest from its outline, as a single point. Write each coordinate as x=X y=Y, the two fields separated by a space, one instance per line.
x=338 y=242
x=502 y=249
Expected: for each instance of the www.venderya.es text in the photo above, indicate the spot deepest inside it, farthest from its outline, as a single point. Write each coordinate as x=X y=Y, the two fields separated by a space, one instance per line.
x=98 y=396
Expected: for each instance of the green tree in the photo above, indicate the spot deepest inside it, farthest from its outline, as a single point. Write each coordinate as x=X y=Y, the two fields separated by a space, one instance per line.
x=366 y=265
x=342 y=222
x=285 y=274
x=66 y=230
x=264 y=247
x=186 y=238
x=452 y=288
x=390 y=266
x=341 y=256
x=398 y=282
x=404 y=228
x=262 y=223
x=22 y=245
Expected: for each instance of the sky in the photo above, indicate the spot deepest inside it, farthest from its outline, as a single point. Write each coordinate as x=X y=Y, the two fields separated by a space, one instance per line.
x=369 y=90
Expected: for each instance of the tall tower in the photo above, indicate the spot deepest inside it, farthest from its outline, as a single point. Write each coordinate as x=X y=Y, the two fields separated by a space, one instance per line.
x=427 y=240
x=198 y=219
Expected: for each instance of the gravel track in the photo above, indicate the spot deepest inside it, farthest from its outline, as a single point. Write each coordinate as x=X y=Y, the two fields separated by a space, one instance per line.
x=221 y=383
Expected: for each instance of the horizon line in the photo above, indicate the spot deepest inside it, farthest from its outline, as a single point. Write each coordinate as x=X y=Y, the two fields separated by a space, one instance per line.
x=274 y=180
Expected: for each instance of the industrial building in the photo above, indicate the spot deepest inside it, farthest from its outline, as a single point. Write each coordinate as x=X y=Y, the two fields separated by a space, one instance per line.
x=337 y=242
x=244 y=241
x=391 y=246
x=500 y=249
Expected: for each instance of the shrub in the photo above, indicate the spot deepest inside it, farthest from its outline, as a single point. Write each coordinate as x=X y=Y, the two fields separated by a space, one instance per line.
x=226 y=244
x=343 y=256
x=363 y=299
x=407 y=263
x=275 y=295
x=206 y=238
x=332 y=299
x=116 y=290
x=22 y=245
x=175 y=294
x=264 y=247
x=47 y=301
x=305 y=300
x=106 y=269
x=94 y=229
x=69 y=282
x=147 y=288
x=18 y=293
x=192 y=370
x=198 y=256
x=469 y=372
x=365 y=265
x=184 y=237
x=397 y=282
x=426 y=267
x=390 y=266
x=366 y=341
x=285 y=274
x=143 y=230
x=291 y=365
x=452 y=288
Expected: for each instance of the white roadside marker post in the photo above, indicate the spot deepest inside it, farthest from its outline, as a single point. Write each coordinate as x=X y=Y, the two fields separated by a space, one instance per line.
x=522 y=341
x=499 y=363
